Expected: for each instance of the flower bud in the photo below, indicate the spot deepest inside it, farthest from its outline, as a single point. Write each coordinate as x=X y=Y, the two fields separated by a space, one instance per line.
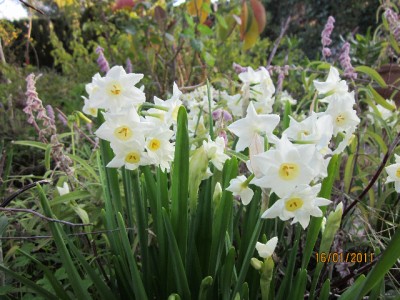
x=216 y=114
x=257 y=264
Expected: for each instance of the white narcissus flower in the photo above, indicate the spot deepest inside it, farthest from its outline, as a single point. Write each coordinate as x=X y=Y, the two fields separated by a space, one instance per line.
x=253 y=124
x=300 y=204
x=131 y=155
x=94 y=85
x=196 y=124
x=88 y=108
x=266 y=250
x=315 y=129
x=170 y=114
x=64 y=189
x=159 y=148
x=215 y=152
x=344 y=117
x=385 y=113
x=116 y=90
x=394 y=173
x=239 y=187
x=233 y=102
x=286 y=97
x=286 y=166
x=333 y=85
x=347 y=139
x=257 y=84
x=263 y=105
x=122 y=128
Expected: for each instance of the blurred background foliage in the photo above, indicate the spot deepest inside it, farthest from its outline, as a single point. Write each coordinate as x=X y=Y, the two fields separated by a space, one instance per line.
x=309 y=18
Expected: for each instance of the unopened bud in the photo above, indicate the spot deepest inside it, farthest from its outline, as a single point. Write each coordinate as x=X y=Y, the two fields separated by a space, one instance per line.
x=257 y=264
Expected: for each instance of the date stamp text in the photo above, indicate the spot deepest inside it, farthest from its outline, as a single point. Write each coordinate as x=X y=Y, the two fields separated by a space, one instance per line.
x=340 y=257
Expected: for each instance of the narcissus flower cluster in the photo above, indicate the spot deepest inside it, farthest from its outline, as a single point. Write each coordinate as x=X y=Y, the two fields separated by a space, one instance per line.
x=291 y=166
x=135 y=140
x=295 y=163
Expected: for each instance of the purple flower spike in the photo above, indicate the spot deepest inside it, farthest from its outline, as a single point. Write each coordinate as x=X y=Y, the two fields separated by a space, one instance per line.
x=216 y=115
x=128 y=67
x=238 y=68
x=345 y=62
x=101 y=60
x=325 y=37
x=394 y=24
x=227 y=116
x=224 y=136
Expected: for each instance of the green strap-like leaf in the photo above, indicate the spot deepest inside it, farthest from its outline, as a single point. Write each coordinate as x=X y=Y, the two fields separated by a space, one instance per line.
x=29 y=284
x=351 y=293
x=178 y=269
x=326 y=287
x=56 y=285
x=315 y=223
x=222 y=215
x=379 y=99
x=180 y=182
x=34 y=144
x=136 y=281
x=386 y=261
x=205 y=286
x=72 y=272
x=372 y=73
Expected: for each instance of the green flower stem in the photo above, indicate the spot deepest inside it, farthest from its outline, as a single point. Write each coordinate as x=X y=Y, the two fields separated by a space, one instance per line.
x=238 y=155
x=73 y=143
x=332 y=225
x=151 y=105
x=210 y=121
x=249 y=179
x=266 y=272
x=141 y=221
x=145 y=113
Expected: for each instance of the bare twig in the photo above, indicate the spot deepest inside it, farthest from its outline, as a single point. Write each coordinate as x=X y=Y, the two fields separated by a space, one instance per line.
x=28 y=38
x=30 y=211
x=32 y=7
x=278 y=40
x=19 y=192
x=375 y=177
x=78 y=129
x=34 y=237
x=2 y=57
x=192 y=87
